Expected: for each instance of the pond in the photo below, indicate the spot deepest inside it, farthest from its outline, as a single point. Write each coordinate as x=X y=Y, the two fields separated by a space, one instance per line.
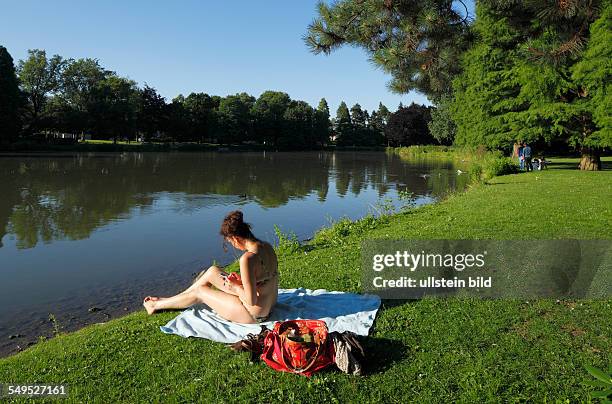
x=85 y=236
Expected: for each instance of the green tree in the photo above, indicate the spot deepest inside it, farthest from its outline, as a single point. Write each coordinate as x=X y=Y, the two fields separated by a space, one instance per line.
x=358 y=116
x=408 y=126
x=376 y=127
x=234 y=114
x=10 y=99
x=378 y=123
x=177 y=125
x=417 y=42
x=593 y=76
x=201 y=109
x=79 y=82
x=361 y=133
x=298 y=126
x=39 y=77
x=151 y=113
x=343 y=127
x=323 y=107
x=115 y=107
x=268 y=112
x=322 y=124
x=383 y=112
x=442 y=127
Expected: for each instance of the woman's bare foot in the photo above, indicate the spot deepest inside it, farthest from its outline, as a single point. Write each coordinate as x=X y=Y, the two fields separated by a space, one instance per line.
x=149 y=305
x=150 y=298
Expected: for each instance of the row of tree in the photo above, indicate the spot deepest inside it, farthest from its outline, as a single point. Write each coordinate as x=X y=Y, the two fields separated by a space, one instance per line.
x=52 y=95
x=522 y=70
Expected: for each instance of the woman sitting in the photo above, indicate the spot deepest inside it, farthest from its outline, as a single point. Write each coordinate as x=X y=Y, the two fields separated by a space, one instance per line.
x=245 y=298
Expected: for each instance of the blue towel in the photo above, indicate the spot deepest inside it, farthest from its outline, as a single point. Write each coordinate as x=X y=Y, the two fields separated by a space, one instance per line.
x=341 y=311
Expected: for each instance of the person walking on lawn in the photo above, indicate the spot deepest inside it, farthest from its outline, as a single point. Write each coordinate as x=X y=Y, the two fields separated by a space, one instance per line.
x=527 y=157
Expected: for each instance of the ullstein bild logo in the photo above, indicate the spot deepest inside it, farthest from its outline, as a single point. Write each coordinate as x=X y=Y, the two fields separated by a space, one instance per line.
x=408 y=269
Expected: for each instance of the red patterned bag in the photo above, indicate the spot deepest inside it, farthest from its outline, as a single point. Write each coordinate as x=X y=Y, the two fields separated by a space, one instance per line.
x=298 y=346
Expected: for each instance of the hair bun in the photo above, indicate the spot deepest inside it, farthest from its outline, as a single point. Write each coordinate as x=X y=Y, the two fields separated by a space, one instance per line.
x=235 y=217
x=234 y=225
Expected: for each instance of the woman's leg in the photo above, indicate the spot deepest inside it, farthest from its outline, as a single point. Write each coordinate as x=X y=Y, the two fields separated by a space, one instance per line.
x=211 y=276
x=226 y=305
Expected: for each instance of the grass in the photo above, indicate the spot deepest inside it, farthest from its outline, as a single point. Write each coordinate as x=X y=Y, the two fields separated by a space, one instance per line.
x=444 y=350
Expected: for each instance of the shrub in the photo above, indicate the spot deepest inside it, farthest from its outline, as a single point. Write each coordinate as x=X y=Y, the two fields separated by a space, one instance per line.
x=287 y=243
x=337 y=233
x=500 y=166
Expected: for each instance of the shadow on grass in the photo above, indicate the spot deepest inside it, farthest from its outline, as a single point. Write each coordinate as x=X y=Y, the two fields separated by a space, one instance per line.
x=573 y=165
x=563 y=165
x=390 y=303
x=505 y=183
x=382 y=353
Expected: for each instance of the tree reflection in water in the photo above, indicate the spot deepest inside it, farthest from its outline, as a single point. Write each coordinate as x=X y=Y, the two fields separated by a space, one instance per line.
x=55 y=197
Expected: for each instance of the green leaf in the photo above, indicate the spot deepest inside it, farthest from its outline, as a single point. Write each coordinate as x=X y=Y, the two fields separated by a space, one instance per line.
x=601 y=394
x=596 y=383
x=598 y=374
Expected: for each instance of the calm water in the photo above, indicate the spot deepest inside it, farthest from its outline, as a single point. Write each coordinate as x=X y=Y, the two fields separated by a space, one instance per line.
x=82 y=232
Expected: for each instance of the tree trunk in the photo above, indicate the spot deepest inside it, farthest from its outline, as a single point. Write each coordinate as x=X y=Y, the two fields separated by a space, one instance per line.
x=590 y=160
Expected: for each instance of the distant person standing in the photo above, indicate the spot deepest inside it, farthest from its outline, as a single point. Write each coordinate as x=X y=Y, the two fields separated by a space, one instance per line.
x=527 y=157
x=519 y=153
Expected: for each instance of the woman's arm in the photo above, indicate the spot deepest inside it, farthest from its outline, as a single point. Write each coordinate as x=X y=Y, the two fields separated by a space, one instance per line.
x=247 y=292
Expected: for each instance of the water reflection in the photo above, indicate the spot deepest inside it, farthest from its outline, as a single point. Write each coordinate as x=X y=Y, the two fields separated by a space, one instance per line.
x=57 y=197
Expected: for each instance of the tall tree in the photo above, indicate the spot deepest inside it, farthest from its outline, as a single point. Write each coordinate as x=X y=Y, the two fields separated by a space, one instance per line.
x=408 y=126
x=323 y=107
x=115 y=106
x=298 y=126
x=442 y=127
x=379 y=121
x=359 y=120
x=178 y=122
x=152 y=112
x=593 y=74
x=376 y=127
x=268 y=112
x=201 y=109
x=10 y=98
x=322 y=123
x=358 y=116
x=235 y=123
x=39 y=76
x=417 y=41
x=383 y=112
x=343 y=127
x=79 y=82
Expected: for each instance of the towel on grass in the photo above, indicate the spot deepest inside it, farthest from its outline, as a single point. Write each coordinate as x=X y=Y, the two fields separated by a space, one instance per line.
x=341 y=311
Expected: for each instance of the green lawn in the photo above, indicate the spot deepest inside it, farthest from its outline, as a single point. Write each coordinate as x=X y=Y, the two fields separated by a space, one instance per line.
x=445 y=350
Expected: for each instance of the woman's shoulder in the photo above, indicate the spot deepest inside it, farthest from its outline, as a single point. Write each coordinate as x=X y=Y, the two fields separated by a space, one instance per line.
x=269 y=247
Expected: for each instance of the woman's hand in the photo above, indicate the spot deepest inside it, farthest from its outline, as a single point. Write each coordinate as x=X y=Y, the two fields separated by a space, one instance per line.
x=233 y=281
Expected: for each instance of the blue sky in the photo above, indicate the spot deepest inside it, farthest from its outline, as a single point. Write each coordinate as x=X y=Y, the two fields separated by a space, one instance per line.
x=203 y=46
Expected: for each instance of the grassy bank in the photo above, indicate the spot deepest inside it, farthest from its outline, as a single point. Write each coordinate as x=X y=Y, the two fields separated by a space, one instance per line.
x=421 y=351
